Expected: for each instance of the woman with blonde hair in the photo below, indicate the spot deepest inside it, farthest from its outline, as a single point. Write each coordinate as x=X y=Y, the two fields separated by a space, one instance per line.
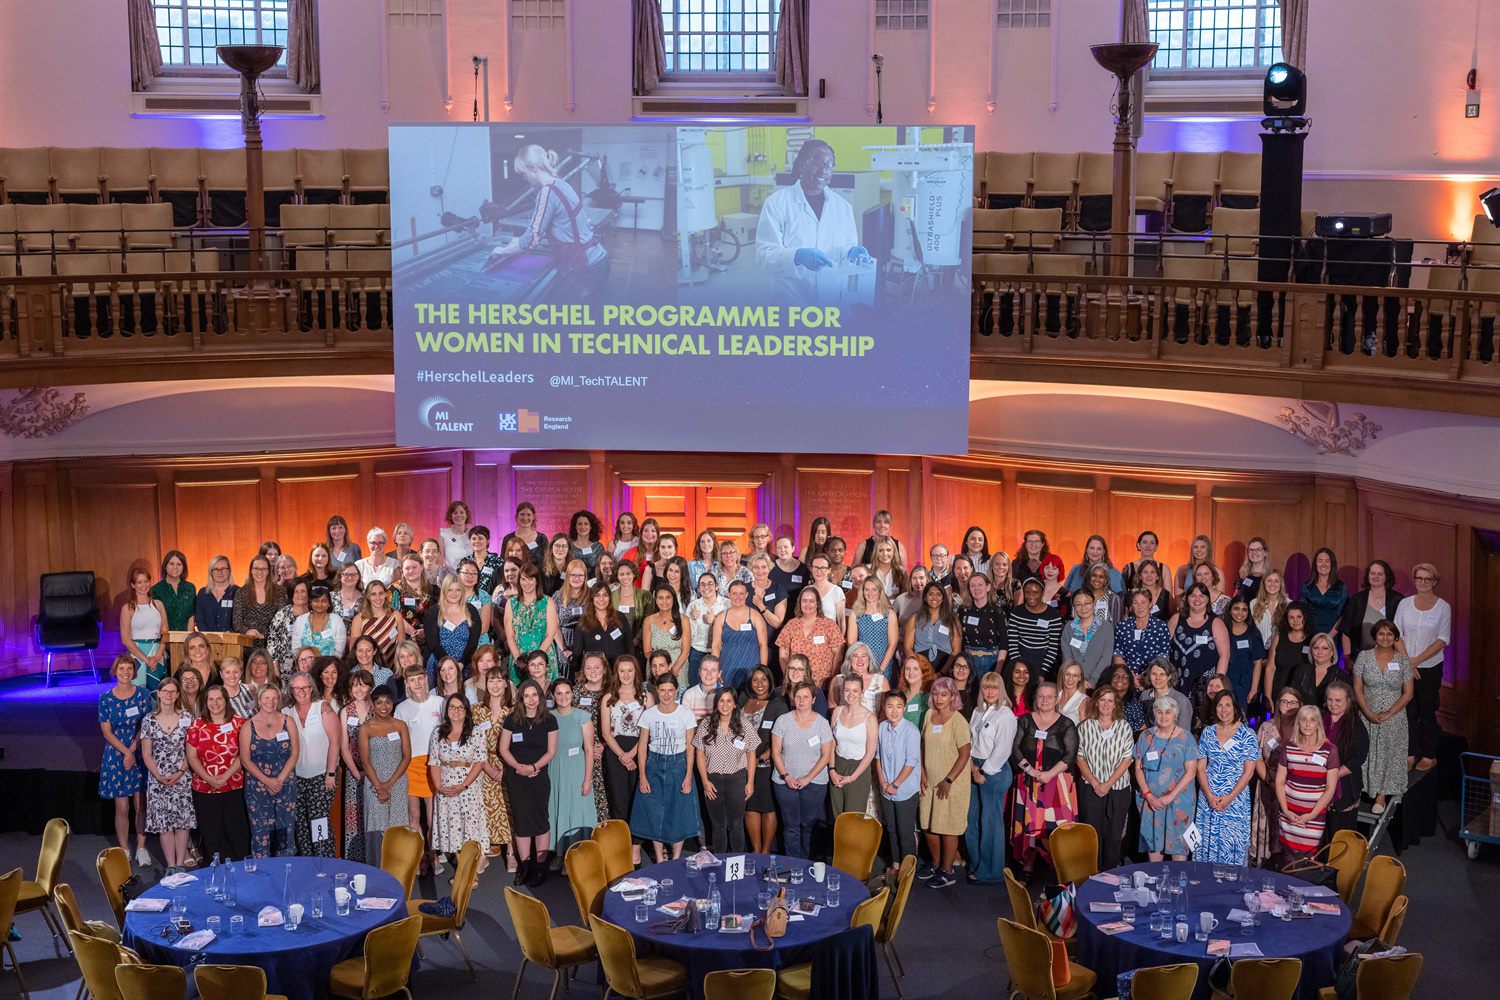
x=873 y=623
x=1255 y=567
x=992 y=728
x=1201 y=551
x=1268 y=608
x=559 y=226
x=1306 y=782
x=571 y=598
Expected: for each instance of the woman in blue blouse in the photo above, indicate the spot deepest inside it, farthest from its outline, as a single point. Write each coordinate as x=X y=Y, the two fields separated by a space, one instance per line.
x=1142 y=636
x=1324 y=595
x=214 y=609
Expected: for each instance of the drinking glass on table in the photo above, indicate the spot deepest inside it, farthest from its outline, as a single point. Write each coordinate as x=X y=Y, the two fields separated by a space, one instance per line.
x=1127 y=913
x=642 y=913
x=179 y=906
x=236 y=924
x=213 y=925
x=650 y=895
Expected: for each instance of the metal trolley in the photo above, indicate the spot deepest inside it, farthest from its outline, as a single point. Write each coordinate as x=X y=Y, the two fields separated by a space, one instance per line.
x=1479 y=801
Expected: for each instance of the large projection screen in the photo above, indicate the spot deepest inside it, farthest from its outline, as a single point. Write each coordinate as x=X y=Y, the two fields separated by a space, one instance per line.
x=749 y=287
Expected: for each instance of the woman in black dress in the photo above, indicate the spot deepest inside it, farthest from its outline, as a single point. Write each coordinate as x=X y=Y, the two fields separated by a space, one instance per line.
x=527 y=745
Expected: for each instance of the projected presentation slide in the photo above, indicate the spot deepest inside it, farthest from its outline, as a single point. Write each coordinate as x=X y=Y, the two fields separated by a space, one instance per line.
x=692 y=288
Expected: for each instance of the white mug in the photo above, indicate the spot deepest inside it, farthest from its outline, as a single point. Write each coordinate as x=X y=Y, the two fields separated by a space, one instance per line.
x=818 y=870
x=1207 y=922
x=358 y=884
x=1140 y=879
x=341 y=896
x=1182 y=933
x=294 y=914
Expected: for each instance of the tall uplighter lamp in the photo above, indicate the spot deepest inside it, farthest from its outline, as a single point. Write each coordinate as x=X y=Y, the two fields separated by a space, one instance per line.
x=250 y=61
x=1124 y=60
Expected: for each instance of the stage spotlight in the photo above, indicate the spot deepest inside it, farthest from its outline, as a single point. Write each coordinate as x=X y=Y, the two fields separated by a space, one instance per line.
x=1286 y=91
x=1490 y=202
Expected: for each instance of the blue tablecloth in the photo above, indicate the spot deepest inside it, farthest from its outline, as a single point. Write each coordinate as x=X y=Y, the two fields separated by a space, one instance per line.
x=709 y=951
x=297 y=962
x=1315 y=940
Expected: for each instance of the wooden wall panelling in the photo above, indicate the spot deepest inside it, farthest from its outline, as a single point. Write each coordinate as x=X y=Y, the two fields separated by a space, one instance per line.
x=218 y=517
x=418 y=495
x=674 y=508
x=898 y=502
x=1279 y=515
x=959 y=502
x=494 y=503
x=842 y=495
x=306 y=499
x=1063 y=511
x=114 y=527
x=1135 y=507
x=555 y=490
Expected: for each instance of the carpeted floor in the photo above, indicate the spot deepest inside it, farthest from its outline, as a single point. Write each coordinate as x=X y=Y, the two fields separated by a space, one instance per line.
x=948 y=940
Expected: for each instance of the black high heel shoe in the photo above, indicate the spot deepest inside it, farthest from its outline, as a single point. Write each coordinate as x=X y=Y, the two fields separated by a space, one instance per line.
x=523 y=872
x=538 y=873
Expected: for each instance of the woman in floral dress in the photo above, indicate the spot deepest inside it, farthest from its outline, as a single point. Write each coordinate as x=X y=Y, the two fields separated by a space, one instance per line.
x=496 y=701
x=169 y=788
x=1230 y=752
x=455 y=760
x=353 y=715
x=531 y=622
x=1166 y=765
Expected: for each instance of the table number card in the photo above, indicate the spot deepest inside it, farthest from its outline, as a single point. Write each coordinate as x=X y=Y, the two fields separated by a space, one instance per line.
x=734 y=868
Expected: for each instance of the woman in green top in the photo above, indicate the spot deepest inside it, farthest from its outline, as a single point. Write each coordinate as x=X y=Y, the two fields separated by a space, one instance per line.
x=175 y=593
x=916 y=678
x=630 y=600
x=530 y=621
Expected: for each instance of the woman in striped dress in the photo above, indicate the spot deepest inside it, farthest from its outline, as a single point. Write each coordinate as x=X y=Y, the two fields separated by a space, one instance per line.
x=1306 y=783
x=378 y=621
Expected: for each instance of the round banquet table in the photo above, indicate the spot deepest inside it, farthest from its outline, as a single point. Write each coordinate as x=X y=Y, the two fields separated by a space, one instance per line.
x=297 y=962
x=1316 y=940
x=710 y=951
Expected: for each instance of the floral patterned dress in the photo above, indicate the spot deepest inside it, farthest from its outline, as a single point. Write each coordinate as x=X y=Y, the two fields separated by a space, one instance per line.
x=496 y=805
x=1265 y=814
x=530 y=623
x=169 y=807
x=1164 y=763
x=354 y=800
x=1226 y=834
x=458 y=818
x=590 y=701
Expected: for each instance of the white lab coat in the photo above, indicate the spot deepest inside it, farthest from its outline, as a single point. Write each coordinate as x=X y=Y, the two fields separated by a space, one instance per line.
x=787 y=224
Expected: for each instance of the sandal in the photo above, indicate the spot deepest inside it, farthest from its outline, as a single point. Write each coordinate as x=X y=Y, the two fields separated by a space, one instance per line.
x=971 y=878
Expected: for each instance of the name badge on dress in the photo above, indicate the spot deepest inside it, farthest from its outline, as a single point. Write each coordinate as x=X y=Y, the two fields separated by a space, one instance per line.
x=533 y=544
x=819 y=640
x=767 y=724
x=812 y=741
x=282 y=736
x=937 y=727
x=393 y=737
x=574 y=751
x=1248 y=581
x=226 y=727
x=1272 y=743
x=877 y=617
x=184 y=721
x=769 y=598
x=1393 y=665
x=448 y=626
x=1138 y=633
x=746 y=627
x=409 y=602
x=971 y=620
x=227 y=603
x=847 y=585
x=585 y=702
x=1153 y=755
x=615 y=633
x=483 y=727
x=1041 y=734
x=796 y=578
x=1076 y=642
x=517 y=737
x=1200 y=640
x=132 y=712
x=739 y=744
x=626 y=609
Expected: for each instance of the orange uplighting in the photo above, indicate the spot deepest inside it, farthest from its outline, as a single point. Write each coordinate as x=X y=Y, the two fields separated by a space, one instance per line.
x=1463 y=206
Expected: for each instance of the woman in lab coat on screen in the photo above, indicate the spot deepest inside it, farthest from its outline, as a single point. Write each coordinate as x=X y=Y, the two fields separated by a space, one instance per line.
x=806 y=227
x=558 y=224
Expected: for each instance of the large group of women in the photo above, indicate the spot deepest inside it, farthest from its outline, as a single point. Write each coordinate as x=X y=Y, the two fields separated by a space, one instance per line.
x=519 y=694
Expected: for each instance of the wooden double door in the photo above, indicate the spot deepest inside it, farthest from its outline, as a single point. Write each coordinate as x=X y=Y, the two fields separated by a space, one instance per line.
x=729 y=510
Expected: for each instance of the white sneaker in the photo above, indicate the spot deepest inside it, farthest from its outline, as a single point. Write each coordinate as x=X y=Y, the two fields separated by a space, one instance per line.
x=142 y=857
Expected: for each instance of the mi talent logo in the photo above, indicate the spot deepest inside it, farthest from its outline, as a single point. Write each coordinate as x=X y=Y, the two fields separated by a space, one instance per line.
x=436 y=413
x=521 y=422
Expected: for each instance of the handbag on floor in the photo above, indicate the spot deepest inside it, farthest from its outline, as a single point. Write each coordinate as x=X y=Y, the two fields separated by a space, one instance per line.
x=1317 y=867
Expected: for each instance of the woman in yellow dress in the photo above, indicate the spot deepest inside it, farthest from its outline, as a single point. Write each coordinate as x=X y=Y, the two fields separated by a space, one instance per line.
x=944 y=810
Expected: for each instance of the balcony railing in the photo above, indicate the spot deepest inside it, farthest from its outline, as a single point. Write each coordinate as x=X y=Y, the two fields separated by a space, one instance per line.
x=1042 y=308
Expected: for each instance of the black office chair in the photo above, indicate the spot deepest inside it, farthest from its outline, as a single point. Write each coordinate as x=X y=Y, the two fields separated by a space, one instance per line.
x=68 y=619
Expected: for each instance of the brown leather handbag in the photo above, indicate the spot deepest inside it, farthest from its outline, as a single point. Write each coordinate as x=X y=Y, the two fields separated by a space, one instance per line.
x=772 y=925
